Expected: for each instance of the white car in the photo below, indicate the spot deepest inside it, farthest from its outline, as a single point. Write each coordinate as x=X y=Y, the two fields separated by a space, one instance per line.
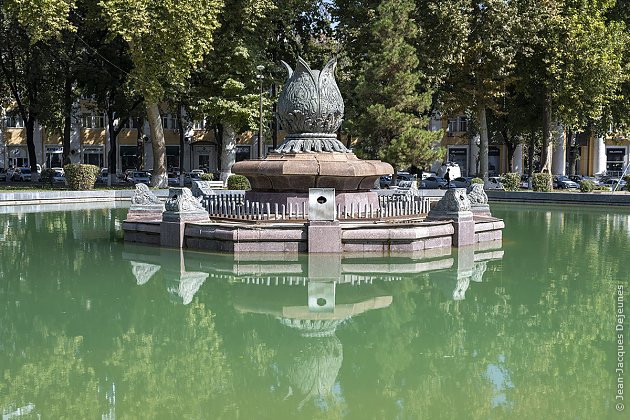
x=493 y=183
x=137 y=177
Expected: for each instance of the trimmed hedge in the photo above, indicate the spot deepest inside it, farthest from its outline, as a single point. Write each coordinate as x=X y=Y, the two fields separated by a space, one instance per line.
x=238 y=182
x=46 y=177
x=206 y=177
x=80 y=176
x=477 y=181
x=587 y=185
x=542 y=182
x=511 y=181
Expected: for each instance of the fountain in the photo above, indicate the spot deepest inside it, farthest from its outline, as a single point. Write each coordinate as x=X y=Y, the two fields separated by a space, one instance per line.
x=312 y=194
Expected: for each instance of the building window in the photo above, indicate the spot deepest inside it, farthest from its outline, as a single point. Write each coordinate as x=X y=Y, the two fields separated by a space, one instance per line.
x=54 y=157
x=128 y=157
x=199 y=124
x=15 y=121
x=615 y=158
x=93 y=121
x=169 y=122
x=243 y=152
x=463 y=124
x=93 y=156
x=172 y=157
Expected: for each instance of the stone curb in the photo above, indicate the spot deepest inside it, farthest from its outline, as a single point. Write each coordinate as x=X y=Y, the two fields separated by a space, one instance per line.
x=596 y=199
x=62 y=197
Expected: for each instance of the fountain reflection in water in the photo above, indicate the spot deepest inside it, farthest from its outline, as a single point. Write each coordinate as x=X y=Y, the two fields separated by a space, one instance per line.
x=310 y=295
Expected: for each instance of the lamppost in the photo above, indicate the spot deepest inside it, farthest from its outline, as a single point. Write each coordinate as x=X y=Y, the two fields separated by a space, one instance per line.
x=260 y=77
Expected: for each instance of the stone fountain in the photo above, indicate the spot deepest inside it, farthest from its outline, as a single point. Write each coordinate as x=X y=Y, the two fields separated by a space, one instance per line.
x=310 y=109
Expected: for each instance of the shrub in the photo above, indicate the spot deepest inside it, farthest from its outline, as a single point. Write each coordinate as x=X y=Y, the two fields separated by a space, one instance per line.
x=477 y=181
x=46 y=177
x=587 y=185
x=206 y=177
x=627 y=179
x=238 y=182
x=80 y=176
x=542 y=182
x=511 y=181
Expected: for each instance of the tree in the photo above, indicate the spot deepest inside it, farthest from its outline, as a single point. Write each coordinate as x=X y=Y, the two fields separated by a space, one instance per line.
x=29 y=67
x=391 y=104
x=167 y=39
x=479 y=79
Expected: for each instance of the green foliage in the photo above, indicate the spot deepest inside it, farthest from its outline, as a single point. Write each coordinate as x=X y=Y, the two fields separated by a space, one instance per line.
x=80 y=177
x=477 y=181
x=46 y=176
x=587 y=185
x=511 y=181
x=42 y=19
x=238 y=182
x=206 y=177
x=542 y=182
x=391 y=103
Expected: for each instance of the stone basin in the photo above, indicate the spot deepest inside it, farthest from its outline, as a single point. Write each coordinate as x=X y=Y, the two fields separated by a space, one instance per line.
x=297 y=172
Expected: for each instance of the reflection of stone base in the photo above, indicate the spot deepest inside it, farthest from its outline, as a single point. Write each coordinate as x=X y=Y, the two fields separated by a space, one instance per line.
x=301 y=171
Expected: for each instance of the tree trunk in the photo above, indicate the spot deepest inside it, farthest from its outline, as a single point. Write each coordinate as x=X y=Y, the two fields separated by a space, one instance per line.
x=531 y=153
x=545 y=153
x=158 y=176
x=111 y=157
x=228 y=151
x=573 y=151
x=30 y=144
x=483 y=142
x=182 y=143
x=67 y=119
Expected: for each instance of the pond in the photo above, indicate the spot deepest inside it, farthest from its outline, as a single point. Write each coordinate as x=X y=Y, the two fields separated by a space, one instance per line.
x=91 y=327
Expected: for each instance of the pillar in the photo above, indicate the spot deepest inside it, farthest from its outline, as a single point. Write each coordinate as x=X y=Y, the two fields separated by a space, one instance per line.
x=599 y=156
x=518 y=159
x=559 y=157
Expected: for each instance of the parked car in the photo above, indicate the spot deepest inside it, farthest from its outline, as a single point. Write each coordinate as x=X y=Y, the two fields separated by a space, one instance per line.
x=612 y=182
x=137 y=177
x=385 y=181
x=462 y=182
x=58 y=178
x=22 y=174
x=173 y=179
x=101 y=178
x=3 y=174
x=563 y=182
x=190 y=177
x=493 y=183
x=433 y=182
x=524 y=181
x=197 y=171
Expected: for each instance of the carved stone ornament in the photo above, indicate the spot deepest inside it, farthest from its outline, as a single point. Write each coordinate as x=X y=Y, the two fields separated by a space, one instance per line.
x=144 y=197
x=454 y=201
x=310 y=109
x=201 y=188
x=477 y=195
x=181 y=206
x=181 y=200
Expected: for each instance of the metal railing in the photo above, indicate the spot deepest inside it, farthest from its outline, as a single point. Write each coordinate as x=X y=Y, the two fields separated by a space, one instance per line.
x=233 y=206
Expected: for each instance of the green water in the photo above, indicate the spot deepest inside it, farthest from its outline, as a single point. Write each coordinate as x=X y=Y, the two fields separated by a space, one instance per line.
x=91 y=327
